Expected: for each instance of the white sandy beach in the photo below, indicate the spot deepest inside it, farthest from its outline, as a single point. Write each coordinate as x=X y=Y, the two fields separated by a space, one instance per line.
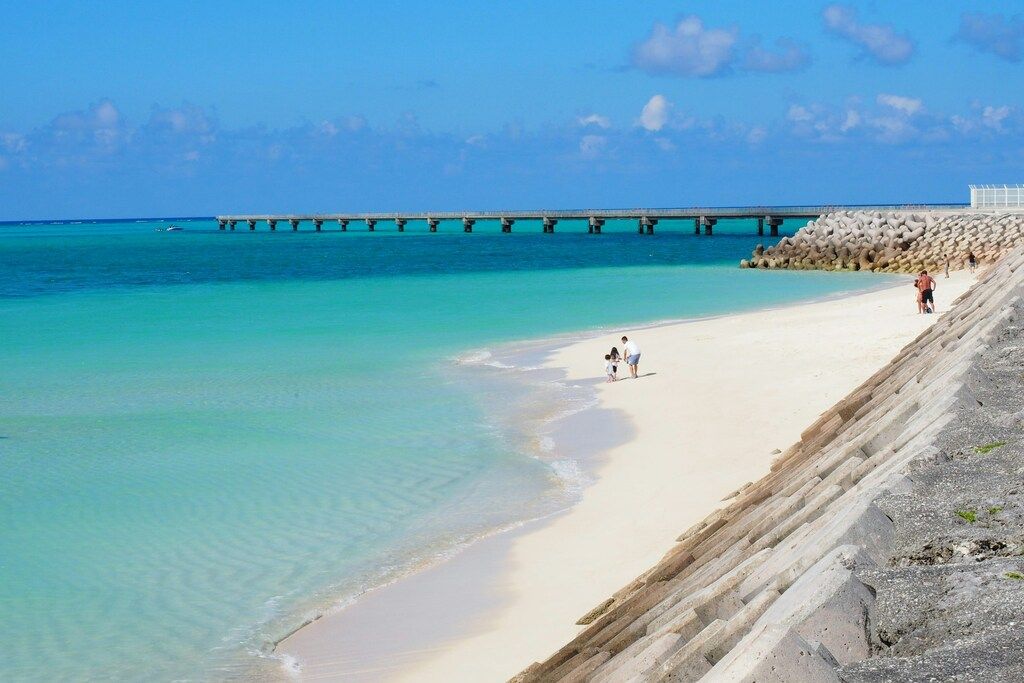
x=715 y=398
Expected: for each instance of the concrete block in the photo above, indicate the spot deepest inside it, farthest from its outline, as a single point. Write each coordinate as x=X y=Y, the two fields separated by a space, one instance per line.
x=829 y=605
x=774 y=654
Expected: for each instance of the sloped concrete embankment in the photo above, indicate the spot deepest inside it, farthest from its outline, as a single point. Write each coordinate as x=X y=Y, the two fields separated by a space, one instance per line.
x=895 y=241
x=805 y=574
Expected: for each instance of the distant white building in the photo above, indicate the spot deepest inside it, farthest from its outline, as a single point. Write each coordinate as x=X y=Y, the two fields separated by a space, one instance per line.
x=997 y=196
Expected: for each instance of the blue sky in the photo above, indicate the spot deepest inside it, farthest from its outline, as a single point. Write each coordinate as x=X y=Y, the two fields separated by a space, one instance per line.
x=172 y=108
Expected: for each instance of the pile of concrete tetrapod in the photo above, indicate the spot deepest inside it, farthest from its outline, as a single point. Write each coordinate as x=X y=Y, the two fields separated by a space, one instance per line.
x=893 y=241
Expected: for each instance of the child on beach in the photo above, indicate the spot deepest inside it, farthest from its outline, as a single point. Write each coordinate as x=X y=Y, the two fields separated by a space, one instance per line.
x=609 y=369
x=614 y=353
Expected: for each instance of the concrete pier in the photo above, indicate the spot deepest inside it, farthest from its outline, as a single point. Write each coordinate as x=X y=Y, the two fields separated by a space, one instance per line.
x=704 y=218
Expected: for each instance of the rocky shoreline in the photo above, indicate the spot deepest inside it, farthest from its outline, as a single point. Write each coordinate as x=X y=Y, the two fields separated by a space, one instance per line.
x=885 y=545
x=895 y=241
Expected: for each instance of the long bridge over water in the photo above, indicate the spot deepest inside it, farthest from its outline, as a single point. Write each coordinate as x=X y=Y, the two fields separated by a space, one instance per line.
x=704 y=218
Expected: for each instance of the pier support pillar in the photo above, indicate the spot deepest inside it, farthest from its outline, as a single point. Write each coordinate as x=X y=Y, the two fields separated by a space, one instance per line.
x=295 y=224
x=647 y=225
x=549 y=224
x=272 y=224
x=231 y=224
x=252 y=224
x=760 y=226
x=696 y=226
x=222 y=225
x=344 y=224
x=400 y=222
x=318 y=224
x=594 y=227
x=709 y=224
x=773 y=225
x=506 y=224
x=432 y=224
x=370 y=224
x=467 y=224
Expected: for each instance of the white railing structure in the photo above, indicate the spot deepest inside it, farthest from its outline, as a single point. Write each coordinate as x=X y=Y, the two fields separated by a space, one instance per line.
x=997 y=196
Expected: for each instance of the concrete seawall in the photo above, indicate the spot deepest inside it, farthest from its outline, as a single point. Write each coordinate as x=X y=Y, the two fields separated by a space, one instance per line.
x=879 y=547
x=894 y=241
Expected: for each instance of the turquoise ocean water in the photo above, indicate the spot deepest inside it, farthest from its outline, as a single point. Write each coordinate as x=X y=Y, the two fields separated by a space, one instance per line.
x=206 y=437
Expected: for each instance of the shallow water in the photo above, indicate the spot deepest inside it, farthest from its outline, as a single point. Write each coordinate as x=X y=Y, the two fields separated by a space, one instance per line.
x=208 y=436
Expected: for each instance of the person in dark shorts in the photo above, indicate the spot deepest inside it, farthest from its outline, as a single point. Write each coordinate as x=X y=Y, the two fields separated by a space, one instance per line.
x=925 y=285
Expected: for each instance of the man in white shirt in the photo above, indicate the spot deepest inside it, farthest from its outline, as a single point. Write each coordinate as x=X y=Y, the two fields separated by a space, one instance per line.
x=632 y=353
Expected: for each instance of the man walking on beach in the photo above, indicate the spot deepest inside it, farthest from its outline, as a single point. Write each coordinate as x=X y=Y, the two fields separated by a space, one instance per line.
x=925 y=286
x=632 y=353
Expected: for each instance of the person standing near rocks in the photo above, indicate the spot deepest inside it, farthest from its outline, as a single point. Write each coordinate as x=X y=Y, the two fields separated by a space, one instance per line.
x=972 y=262
x=632 y=352
x=925 y=285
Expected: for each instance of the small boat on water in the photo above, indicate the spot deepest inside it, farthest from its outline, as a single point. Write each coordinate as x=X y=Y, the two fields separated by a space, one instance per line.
x=171 y=228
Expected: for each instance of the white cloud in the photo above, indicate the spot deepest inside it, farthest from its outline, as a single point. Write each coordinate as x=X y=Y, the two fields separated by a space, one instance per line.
x=788 y=57
x=851 y=121
x=907 y=105
x=594 y=120
x=757 y=134
x=1002 y=36
x=879 y=42
x=690 y=49
x=695 y=50
x=891 y=129
x=654 y=115
x=993 y=116
x=799 y=113
x=591 y=146
x=664 y=144
x=100 y=124
x=13 y=142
